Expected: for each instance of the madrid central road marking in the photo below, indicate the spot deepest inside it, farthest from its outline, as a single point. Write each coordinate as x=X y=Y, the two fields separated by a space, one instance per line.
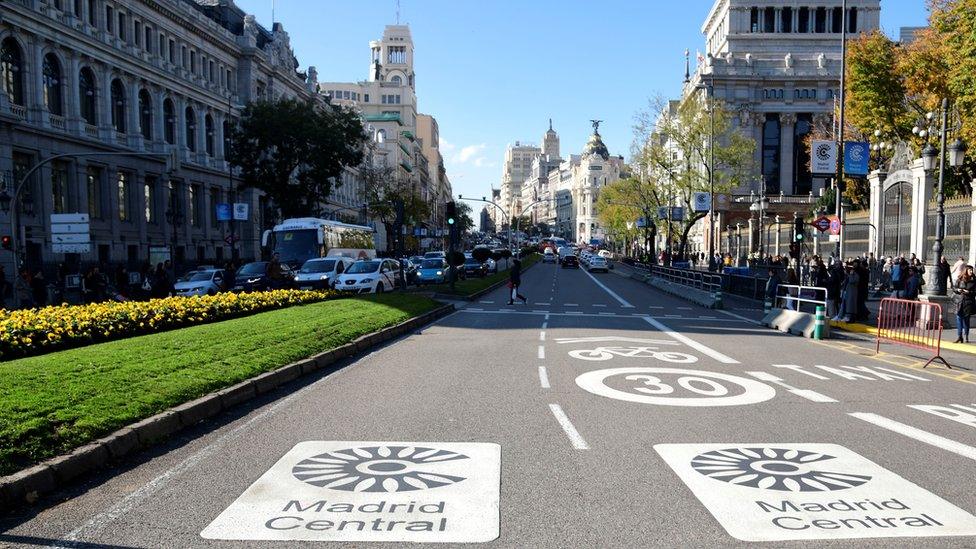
x=805 y=393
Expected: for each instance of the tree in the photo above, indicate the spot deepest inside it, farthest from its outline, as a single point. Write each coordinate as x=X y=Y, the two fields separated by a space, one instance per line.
x=876 y=92
x=463 y=218
x=295 y=151
x=622 y=202
x=383 y=191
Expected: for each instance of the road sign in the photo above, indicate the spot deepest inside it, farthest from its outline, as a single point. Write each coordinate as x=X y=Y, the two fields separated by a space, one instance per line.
x=795 y=491
x=821 y=223
x=833 y=238
x=70 y=228
x=702 y=202
x=71 y=248
x=856 y=155
x=70 y=238
x=674 y=387
x=835 y=226
x=823 y=157
x=224 y=212
x=70 y=218
x=241 y=210
x=231 y=239
x=418 y=492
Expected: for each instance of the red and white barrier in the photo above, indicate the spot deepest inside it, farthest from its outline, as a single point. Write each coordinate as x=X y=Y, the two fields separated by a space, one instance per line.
x=915 y=324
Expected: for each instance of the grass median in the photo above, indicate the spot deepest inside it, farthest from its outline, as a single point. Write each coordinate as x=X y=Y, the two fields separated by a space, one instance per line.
x=470 y=286
x=53 y=403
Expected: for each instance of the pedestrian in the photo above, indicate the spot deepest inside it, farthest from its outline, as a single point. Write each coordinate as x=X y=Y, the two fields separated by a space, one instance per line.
x=835 y=279
x=958 y=268
x=39 y=289
x=966 y=289
x=772 y=286
x=514 y=281
x=22 y=289
x=160 y=282
x=792 y=279
x=5 y=288
x=122 y=281
x=898 y=270
x=913 y=284
x=864 y=279
x=850 y=300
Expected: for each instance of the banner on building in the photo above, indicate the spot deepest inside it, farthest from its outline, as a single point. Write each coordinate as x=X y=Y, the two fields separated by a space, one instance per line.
x=823 y=157
x=856 y=155
x=702 y=202
x=224 y=212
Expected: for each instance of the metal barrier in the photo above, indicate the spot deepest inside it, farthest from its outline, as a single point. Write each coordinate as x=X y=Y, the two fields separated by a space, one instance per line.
x=708 y=282
x=793 y=297
x=915 y=324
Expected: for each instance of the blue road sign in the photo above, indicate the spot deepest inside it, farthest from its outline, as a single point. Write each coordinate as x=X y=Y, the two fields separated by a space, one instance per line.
x=223 y=212
x=856 y=156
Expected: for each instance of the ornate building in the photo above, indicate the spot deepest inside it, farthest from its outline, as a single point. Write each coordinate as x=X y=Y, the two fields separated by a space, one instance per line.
x=134 y=76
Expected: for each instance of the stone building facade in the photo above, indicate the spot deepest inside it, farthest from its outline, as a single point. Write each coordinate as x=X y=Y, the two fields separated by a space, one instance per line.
x=135 y=76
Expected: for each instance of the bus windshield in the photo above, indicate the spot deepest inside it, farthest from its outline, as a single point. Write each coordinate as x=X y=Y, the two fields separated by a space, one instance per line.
x=296 y=247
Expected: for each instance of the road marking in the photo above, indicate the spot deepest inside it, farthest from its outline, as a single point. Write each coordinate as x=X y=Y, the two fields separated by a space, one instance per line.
x=674 y=387
x=547 y=317
x=703 y=317
x=685 y=309
x=691 y=342
x=623 y=302
x=673 y=316
x=474 y=309
x=946 y=444
x=655 y=307
x=486 y=302
x=562 y=340
x=540 y=303
x=538 y=310
x=576 y=313
x=626 y=316
x=542 y=351
x=570 y=305
x=896 y=360
x=599 y=305
x=805 y=393
x=544 y=378
x=545 y=324
x=608 y=314
x=568 y=428
x=744 y=319
x=542 y=335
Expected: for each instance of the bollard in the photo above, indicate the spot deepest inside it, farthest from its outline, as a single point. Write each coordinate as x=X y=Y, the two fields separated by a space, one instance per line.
x=819 y=326
x=767 y=305
x=718 y=299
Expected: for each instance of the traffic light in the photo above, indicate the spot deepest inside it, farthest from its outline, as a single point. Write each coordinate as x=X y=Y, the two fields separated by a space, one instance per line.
x=7 y=242
x=450 y=212
x=798 y=227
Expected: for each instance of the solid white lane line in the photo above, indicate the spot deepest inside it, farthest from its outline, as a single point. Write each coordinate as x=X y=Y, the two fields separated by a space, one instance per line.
x=691 y=342
x=545 y=325
x=655 y=307
x=538 y=311
x=623 y=302
x=685 y=309
x=922 y=436
x=474 y=309
x=804 y=393
x=540 y=303
x=542 y=351
x=567 y=426
x=486 y=302
x=742 y=318
x=570 y=304
x=609 y=314
x=542 y=335
x=544 y=378
x=599 y=305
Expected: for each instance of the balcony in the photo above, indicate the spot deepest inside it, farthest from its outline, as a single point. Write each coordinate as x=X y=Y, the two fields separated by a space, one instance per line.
x=91 y=131
x=19 y=111
x=57 y=122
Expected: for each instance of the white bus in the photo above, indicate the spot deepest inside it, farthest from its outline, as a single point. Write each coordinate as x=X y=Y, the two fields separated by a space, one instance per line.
x=300 y=239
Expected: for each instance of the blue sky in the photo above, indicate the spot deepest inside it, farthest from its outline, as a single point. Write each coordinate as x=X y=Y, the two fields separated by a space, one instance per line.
x=494 y=71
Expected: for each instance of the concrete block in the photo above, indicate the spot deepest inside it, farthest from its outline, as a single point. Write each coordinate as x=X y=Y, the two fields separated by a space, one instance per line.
x=195 y=411
x=27 y=486
x=157 y=427
x=308 y=365
x=794 y=322
x=236 y=394
x=79 y=462
x=694 y=295
x=121 y=443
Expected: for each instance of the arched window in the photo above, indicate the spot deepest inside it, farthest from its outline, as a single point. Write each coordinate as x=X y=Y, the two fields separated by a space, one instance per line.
x=86 y=95
x=169 y=121
x=52 y=85
x=118 y=105
x=209 y=127
x=145 y=114
x=12 y=71
x=397 y=80
x=191 y=129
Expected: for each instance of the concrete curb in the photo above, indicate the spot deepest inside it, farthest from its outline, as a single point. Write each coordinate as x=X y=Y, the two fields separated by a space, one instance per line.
x=793 y=322
x=28 y=485
x=856 y=328
x=480 y=293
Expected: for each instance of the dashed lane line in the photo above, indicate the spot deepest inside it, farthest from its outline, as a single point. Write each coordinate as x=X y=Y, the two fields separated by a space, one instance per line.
x=574 y=437
x=932 y=439
x=544 y=378
x=542 y=335
x=805 y=393
x=542 y=351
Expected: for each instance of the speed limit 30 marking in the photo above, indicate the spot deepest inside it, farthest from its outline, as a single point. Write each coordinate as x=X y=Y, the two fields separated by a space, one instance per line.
x=674 y=387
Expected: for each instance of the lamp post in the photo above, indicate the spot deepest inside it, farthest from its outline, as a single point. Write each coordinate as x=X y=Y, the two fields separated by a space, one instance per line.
x=760 y=205
x=174 y=216
x=956 y=153
x=738 y=244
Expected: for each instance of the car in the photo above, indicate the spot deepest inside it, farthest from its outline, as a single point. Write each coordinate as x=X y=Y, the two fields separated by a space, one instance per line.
x=548 y=256
x=321 y=273
x=432 y=271
x=208 y=282
x=597 y=263
x=369 y=276
x=570 y=261
x=473 y=267
x=608 y=255
x=435 y=255
x=254 y=277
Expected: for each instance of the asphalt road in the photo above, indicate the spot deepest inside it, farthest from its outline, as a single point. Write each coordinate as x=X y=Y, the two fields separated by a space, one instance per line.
x=809 y=444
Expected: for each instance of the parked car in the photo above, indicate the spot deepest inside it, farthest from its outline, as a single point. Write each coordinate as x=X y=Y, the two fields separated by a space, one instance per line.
x=608 y=255
x=321 y=273
x=473 y=267
x=432 y=271
x=548 y=256
x=207 y=282
x=253 y=277
x=597 y=263
x=368 y=276
x=570 y=261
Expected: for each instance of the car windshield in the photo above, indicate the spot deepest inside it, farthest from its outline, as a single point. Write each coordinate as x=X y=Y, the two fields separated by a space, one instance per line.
x=200 y=277
x=429 y=255
x=364 y=267
x=296 y=246
x=318 y=266
x=257 y=268
x=432 y=264
x=471 y=261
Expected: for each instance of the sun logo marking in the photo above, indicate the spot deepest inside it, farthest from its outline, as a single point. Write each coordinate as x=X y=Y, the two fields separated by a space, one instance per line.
x=779 y=469
x=377 y=469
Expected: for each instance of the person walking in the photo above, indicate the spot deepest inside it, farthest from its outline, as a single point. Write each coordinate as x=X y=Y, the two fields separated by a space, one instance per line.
x=514 y=281
x=851 y=285
x=966 y=288
x=958 y=268
x=913 y=285
x=772 y=286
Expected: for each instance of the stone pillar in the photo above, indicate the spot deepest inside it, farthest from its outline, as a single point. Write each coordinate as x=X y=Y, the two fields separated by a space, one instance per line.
x=922 y=193
x=972 y=234
x=133 y=114
x=757 y=119
x=776 y=221
x=34 y=83
x=72 y=100
x=104 y=105
x=753 y=235
x=876 y=208
x=787 y=124
x=159 y=118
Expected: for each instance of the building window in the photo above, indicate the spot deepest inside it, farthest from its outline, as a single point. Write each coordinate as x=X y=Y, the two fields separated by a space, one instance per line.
x=803 y=20
x=803 y=179
x=169 y=121
x=193 y=62
x=770 y=153
x=227 y=131
x=190 y=129
x=137 y=33
x=149 y=197
x=145 y=114
x=125 y=213
x=59 y=187
x=754 y=20
x=52 y=85
x=172 y=51
x=86 y=95
x=365 y=98
x=397 y=80
x=397 y=55
x=209 y=128
x=147 y=43
x=836 y=20
x=118 y=105
x=214 y=200
x=852 y=21
x=12 y=71
x=122 y=26
x=820 y=20
x=769 y=20
x=786 y=19
x=93 y=177
x=192 y=204
x=92 y=13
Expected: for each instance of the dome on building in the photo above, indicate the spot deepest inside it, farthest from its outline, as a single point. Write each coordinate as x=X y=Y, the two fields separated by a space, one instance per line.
x=596 y=146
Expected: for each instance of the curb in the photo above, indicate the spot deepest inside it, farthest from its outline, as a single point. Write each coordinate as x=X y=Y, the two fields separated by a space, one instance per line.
x=479 y=293
x=28 y=485
x=694 y=295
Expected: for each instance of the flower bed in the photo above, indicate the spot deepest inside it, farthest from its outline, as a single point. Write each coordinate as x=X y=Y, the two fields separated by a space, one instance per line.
x=34 y=331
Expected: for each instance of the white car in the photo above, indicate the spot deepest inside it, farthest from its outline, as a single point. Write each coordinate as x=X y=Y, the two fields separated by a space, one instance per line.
x=370 y=276
x=321 y=273
x=435 y=255
x=207 y=282
x=548 y=256
x=597 y=263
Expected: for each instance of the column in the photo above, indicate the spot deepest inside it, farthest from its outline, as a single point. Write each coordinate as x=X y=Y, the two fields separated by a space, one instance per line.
x=133 y=113
x=922 y=192
x=104 y=104
x=159 y=118
x=776 y=222
x=201 y=131
x=787 y=124
x=34 y=83
x=758 y=120
x=876 y=205
x=179 y=105
x=72 y=104
x=972 y=234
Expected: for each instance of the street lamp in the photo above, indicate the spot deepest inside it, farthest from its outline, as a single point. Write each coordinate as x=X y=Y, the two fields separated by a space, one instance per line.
x=760 y=205
x=710 y=94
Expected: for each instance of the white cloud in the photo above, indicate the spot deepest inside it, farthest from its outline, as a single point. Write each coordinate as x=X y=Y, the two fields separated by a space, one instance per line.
x=481 y=162
x=446 y=146
x=468 y=153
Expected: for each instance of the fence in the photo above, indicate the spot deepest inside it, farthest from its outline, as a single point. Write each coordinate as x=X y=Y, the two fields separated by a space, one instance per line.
x=686 y=277
x=913 y=324
x=794 y=297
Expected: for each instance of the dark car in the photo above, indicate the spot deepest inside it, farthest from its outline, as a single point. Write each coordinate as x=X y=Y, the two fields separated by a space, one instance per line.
x=473 y=267
x=253 y=277
x=570 y=261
